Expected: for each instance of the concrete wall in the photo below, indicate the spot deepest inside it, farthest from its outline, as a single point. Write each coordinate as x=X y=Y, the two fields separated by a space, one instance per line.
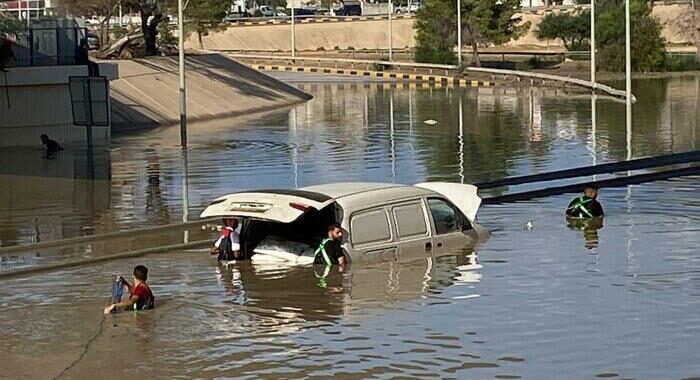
x=371 y=34
x=36 y=100
x=146 y=93
x=374 y=34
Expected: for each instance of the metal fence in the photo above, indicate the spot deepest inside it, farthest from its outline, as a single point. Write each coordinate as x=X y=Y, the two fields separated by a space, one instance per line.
x=45 y=46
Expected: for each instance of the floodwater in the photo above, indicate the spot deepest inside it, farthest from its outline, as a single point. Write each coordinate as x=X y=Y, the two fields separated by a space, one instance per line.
x=550 y=301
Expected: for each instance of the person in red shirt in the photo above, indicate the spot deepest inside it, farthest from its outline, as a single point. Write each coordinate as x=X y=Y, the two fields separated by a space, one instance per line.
x=141 y=296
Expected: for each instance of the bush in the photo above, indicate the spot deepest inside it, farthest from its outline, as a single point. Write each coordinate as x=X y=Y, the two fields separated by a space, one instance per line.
x=435 y=55
x=574 y=30
x=166 y=38
x=681 y=63
x=648 y=53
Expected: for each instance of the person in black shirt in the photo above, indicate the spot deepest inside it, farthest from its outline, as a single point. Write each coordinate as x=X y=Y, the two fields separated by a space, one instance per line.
x=51 y=146
x=329 y=252
x=586 y=205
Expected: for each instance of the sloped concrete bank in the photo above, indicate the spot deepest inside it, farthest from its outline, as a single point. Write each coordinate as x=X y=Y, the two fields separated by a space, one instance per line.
x=146 y=93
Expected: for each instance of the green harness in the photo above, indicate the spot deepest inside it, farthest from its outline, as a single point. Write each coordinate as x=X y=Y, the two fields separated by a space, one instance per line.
x=581 y=206
x=322 y=250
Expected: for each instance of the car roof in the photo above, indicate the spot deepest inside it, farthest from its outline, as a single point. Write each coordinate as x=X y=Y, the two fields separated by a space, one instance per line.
x=359 y=194
x=343 y=189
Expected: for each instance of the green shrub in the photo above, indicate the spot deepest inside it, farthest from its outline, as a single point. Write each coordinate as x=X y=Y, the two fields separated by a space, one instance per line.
x=682 y=63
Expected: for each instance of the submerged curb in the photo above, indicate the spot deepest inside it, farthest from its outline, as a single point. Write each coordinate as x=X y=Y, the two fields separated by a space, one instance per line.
x=424 y=79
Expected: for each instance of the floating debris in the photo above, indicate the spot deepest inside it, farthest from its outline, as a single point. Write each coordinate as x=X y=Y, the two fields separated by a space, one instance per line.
x=430 y=122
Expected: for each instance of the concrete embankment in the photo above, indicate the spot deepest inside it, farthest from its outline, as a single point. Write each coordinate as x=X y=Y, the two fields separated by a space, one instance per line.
x=373 y=34
x=146 y=93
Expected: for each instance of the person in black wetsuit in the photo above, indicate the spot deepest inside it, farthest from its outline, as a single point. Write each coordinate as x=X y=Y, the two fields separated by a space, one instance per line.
x=586 y=205
x=51 y=146
x=329 y=252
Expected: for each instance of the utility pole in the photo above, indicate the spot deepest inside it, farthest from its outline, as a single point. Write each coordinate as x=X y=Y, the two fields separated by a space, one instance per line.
x=459 y=33
x=628 y=79
x=121 y=15
x=294 y=40
x=181 y=62
x=593 y=66
x=391 y=31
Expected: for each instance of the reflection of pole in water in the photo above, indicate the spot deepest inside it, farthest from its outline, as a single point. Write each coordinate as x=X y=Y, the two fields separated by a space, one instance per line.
x=295 y=149
x=594 y=122
x=185 y=193
x=628 y=128
x=391 y=137
x=461 y=137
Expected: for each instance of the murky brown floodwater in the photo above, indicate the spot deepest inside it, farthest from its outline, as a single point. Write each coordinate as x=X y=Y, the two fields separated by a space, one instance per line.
x=541 y=303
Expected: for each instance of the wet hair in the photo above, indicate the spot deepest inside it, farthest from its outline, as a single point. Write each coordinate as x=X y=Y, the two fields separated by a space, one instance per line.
x=44 y=136
x=334 y=226
x=590 y=186
x=141 y=272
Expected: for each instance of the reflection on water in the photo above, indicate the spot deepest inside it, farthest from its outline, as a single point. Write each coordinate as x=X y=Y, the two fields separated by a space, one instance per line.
x=547 y=301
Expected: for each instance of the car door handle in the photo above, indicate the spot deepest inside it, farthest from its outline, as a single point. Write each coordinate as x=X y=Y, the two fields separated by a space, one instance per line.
x=428 y=246
x=439 y=244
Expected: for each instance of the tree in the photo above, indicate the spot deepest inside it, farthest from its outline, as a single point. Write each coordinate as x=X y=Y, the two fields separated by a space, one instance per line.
x=689 y=23
x=202 y=16
x=491 y=22
x=151 y=16
x=104 y=9
x=436 y=27
x=572 y=29
x=483 y=22
x=647 y=45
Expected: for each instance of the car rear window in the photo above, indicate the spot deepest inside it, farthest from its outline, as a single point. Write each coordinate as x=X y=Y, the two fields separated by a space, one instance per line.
x=370 y=227
x=410 y=220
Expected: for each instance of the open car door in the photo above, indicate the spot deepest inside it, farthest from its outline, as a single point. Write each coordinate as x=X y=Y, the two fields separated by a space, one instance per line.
x=463 y=196
x=284 y=206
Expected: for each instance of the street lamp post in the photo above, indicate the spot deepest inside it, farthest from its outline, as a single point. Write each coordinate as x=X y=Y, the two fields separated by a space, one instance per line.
x=181 y=66
x=593 y=67
x=459 y=32
x=628 y=79
x=294 y=39
x=391 y=31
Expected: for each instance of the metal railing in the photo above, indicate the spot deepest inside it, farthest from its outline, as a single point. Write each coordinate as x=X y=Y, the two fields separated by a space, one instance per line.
x=447 y=68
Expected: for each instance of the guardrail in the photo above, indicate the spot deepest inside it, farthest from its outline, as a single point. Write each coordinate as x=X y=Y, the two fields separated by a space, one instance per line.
x=447 y=68
x=305 y=19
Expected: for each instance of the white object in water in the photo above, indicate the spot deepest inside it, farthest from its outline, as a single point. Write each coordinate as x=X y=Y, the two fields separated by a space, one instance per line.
x=430 y=122
x=276 y=249
x=529 y=225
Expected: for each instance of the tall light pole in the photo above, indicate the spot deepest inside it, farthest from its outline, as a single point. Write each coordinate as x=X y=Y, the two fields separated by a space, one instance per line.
x=628 y=79
x=181 y=64
x=391 y=31
x=459 y=32
x=593 y=68
x=294 y=39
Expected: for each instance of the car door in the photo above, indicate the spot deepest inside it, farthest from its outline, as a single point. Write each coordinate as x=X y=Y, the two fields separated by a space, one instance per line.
x=412 y=229
x=371 y=235
x=452 y=231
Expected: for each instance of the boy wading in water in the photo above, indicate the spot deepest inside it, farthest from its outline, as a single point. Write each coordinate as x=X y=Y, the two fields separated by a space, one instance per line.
x=141 y=296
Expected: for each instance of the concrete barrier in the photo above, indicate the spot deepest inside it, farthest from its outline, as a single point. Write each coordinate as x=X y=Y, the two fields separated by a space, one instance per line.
x=36 y=100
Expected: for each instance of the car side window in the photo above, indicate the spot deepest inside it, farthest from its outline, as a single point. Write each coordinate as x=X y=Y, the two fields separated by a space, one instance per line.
x=445 y=217
x=410 y=220
x=370 y=227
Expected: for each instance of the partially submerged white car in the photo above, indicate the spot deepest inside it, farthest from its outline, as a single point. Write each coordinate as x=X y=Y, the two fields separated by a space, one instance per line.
x=380 y=221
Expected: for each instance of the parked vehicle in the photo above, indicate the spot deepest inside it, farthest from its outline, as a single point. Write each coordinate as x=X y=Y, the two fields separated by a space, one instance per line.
x=350 y=8
x=268 y=11
x=381 y=221
x=235 y=17
x=408 y=7
x=303 y=12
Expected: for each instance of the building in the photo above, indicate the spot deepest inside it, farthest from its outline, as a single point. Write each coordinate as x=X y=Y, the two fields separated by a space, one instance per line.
x=23 y=9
